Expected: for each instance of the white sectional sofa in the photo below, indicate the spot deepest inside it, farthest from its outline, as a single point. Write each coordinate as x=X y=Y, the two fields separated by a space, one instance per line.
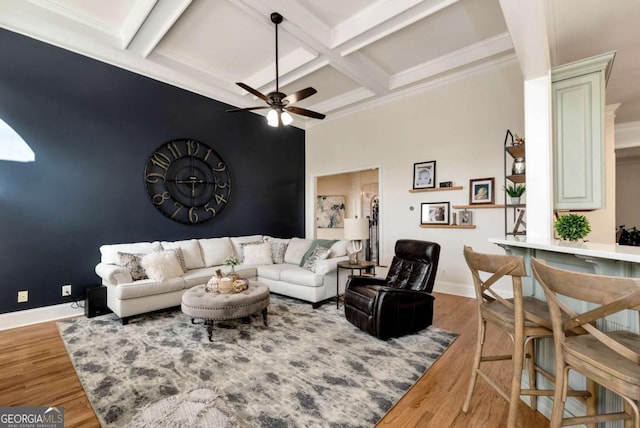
x=272 y=261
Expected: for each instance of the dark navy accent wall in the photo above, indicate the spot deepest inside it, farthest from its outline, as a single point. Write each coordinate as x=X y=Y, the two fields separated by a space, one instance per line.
x=92 y=127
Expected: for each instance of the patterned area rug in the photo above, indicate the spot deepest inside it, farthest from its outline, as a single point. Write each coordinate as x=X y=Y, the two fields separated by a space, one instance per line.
x=309 y=368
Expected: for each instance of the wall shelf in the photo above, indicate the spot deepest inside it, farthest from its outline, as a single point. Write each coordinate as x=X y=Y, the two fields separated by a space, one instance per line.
x=448 y=226
x=478 y=206
x=435 y=189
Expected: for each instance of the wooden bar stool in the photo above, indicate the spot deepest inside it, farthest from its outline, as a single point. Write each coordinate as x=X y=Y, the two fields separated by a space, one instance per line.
x=523 y=318
x=611 y=358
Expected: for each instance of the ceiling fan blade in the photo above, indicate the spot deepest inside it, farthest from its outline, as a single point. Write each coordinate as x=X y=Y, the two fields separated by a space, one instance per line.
x=233 y=110
x=253 y=91
x=300 y=95
x=305 y=112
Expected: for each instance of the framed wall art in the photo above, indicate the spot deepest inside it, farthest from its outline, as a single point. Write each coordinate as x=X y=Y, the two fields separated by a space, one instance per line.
x=466 y=217
x=434 y=213
x=424 y=175
x=481 y=191
x=330 y=211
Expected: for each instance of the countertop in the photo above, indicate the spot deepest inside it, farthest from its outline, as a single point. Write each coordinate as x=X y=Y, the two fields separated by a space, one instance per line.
x=590 y=249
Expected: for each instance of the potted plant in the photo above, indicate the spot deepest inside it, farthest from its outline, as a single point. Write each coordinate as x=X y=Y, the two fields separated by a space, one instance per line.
x=232 y=261
x=515 y=192
x=572 y=227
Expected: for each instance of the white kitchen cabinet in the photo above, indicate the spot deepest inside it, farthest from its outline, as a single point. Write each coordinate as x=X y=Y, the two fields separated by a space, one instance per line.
x=578 y=133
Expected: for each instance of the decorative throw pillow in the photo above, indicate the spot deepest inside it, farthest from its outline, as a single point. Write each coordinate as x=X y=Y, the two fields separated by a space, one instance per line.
x=259 y=254
x=161 y=265
x=319 y=253
x=243 y=247
x=326 y=243
x=179 y=257
x=278 y=249
x=132 y=263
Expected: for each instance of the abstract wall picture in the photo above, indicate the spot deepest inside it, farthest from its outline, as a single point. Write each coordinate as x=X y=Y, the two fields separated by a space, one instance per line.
x=330 y=211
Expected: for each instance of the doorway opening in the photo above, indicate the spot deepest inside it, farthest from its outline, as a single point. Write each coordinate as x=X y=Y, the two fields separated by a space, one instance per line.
x=353 y=194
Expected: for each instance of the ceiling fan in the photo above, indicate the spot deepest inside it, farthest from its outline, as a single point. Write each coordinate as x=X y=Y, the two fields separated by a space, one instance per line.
x=279 y=103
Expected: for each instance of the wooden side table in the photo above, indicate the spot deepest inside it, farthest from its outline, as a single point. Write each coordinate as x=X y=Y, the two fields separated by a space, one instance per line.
x=360 y=266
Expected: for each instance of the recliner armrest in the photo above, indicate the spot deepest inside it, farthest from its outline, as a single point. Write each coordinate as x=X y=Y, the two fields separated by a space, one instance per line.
x=356 y=280
x=401 y=292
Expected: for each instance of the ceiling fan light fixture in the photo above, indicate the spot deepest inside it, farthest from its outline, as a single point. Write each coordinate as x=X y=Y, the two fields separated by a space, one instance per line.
x=276 y=100
x=272 y=118
x=286 y=118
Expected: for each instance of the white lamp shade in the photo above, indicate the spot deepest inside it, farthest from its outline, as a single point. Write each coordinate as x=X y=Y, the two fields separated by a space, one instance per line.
x=356 y=229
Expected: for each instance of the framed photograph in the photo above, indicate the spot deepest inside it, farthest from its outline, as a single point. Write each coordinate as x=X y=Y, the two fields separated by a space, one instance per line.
x=481 y=191
x=465 y=217
x=330 y=212
x=424 y=175
x=434 y=213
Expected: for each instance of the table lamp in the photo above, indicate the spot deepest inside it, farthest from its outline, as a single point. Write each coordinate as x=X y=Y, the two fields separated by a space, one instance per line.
x=356 y=230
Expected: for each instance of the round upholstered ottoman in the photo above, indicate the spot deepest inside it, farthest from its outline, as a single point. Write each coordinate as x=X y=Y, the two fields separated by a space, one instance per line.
x=214 y=306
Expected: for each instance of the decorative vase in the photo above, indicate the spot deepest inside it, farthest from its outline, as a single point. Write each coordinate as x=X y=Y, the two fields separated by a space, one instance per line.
x=212 y=285
x=518 y=166
x=514 y=200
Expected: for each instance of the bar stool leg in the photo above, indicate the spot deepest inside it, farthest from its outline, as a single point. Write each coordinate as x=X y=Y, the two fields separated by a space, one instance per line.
x=514 y=393
x=531 y=362
x=482 y=325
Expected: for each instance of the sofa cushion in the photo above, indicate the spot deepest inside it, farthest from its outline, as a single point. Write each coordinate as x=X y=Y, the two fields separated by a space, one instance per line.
x=259 y=254
x=272 y=271
x=296 y=250
x=245 y=271
x=190 y=251
x=131 y=262
x=109 y=252
x=215 y=250
x=162 y=265
x=236 y=241
x=195 y=277
x=147 y=287
x=339 y=248
x=301 y=276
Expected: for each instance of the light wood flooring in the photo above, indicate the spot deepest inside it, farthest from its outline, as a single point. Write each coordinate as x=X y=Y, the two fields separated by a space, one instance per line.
x=35 y=370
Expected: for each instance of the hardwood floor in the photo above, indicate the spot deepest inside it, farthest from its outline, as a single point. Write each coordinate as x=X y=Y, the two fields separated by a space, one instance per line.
x=35 y=370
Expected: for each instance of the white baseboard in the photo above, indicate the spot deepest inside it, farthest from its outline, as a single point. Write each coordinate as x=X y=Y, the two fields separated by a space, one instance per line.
x=38 y=315
x=464 y=290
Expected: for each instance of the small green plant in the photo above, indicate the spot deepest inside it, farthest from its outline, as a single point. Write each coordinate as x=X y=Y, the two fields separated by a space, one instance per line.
x=515 y=191
x=232 y=261
x=572 y=227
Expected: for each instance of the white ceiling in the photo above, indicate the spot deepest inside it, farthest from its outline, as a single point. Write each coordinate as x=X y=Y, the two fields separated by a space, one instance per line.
x=354 y=52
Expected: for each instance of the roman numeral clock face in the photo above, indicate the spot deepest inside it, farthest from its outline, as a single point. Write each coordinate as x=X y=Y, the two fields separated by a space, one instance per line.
x=187 y=181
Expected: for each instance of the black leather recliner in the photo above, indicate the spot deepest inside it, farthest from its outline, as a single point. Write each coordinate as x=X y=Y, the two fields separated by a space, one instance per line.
x=402 y=303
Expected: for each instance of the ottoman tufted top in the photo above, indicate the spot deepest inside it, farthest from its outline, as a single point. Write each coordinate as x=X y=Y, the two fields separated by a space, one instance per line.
x=200 y=304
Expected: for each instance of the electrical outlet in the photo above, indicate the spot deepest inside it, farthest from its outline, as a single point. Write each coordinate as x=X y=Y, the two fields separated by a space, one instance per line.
x=66 y=290
x=23 y=296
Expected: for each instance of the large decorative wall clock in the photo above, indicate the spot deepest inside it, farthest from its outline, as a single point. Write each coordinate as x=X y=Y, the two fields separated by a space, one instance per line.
x=187 y=181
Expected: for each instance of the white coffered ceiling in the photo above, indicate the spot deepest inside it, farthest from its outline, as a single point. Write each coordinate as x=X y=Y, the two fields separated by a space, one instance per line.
x=354 y=52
